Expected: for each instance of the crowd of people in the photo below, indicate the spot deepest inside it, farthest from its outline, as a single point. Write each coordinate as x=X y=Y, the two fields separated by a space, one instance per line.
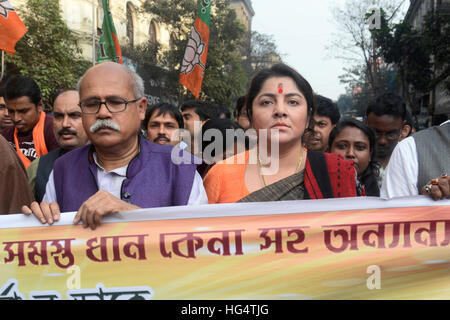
x=103 y=150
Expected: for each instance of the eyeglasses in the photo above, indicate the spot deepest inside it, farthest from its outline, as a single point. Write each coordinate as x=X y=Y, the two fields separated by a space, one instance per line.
x=114 y=105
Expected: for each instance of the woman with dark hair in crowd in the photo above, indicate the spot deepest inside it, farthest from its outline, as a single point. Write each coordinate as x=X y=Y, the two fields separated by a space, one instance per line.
x=280 y=106
x=354 y=140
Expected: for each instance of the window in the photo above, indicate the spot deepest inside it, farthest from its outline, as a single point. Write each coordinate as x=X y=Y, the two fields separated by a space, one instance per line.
x=152 y=33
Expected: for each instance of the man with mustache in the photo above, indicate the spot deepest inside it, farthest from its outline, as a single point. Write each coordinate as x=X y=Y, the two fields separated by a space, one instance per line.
x=69 y=133
x=386 y=116
x=120 y=170
x=420 y=164
x=32 y=134
x=161 y=122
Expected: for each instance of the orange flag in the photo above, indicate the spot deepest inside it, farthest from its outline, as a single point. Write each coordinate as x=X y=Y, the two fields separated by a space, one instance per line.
x=194 y=61
x=12 y=28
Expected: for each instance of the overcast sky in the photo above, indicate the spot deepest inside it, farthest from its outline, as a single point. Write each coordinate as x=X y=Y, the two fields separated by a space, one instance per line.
x=302 y=30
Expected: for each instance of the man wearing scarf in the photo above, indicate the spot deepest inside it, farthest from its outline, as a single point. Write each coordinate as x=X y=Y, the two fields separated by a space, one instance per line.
x=120 y=170
x=69 y=133
x=32 y=133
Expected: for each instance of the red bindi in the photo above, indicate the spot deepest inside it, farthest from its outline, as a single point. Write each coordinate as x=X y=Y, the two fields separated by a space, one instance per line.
x=280 y=88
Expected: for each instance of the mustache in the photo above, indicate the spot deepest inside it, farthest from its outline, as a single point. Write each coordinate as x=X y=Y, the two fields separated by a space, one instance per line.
x=161 y=137
x=104 y=123
x=67 y=131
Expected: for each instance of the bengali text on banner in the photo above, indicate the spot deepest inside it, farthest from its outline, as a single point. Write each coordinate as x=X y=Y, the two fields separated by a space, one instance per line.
x=359 y=248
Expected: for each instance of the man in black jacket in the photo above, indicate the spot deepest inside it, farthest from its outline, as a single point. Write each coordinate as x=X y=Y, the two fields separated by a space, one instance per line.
x=69 y=133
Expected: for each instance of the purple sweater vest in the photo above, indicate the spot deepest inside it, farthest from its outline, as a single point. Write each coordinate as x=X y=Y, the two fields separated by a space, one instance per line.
x=153 y=180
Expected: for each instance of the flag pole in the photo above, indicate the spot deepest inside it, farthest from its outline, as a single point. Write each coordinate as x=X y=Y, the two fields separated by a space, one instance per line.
x=3 y=65
x=93 y=32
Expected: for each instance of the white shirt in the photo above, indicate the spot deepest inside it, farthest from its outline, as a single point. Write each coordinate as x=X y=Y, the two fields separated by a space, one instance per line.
x=112 y=182
x=402 y=171
x=182 y=145
x=382 y=176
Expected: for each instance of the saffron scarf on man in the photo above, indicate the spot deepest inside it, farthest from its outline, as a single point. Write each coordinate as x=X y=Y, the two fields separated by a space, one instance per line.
x=38 y=140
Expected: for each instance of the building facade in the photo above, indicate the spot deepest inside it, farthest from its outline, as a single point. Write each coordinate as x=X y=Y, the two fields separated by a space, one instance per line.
x=85 y=17
x=434 y=105
x=244 y=12
x=133 y=26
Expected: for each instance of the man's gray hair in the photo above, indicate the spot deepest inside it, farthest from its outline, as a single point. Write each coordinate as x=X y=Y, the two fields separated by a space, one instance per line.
x=137 y=83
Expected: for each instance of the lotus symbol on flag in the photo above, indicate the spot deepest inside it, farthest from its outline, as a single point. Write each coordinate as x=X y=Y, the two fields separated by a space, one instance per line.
x=194 y=51
x=5 y=6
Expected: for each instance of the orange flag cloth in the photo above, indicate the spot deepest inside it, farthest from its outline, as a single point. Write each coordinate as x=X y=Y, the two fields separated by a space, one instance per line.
x=12 y=28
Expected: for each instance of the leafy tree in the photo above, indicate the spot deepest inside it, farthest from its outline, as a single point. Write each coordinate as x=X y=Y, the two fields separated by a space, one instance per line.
x=145 y=53
x=366 y=75
x=262 y=52
x=345 y=105
x=225 y=78
x=358 y=84
x=421 y=56
x=437 y=34
x=49 y=51
x=404 y=46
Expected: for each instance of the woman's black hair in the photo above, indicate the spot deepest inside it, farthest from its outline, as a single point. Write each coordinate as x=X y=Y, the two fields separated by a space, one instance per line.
x=370 y=177
x=222 y=125
x=280 y=70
